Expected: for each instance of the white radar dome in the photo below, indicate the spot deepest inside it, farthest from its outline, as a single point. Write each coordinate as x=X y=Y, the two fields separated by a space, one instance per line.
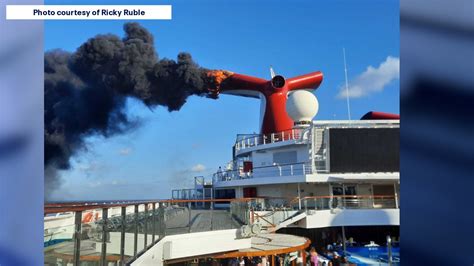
x=302 y=106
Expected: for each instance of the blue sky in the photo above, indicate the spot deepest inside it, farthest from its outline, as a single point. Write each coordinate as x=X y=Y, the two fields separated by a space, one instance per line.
x=295 y=37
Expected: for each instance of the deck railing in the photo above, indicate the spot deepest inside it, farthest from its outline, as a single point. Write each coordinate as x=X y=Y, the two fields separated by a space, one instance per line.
x=252 y=140
x=351 y=202
x=270 y=211
x=118 y=233
x=296 y=169
x=245 y=141
x=324 y=202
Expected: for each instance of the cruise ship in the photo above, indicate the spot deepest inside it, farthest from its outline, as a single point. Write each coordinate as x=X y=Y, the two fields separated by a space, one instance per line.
x=301 y=184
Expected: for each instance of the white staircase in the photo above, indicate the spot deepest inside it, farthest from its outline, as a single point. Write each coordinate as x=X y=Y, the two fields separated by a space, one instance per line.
x=293 y=219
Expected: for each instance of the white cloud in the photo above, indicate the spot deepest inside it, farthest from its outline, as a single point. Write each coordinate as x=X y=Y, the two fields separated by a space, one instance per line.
x=95 y=184
x=373 y=79
x=125 y=151
x=117 y=182
x=105 y=183
x=198 y=168
x=92 y=166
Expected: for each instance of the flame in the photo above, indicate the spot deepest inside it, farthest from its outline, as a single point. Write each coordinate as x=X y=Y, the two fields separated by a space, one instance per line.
x=219 y=75
x=215 y=79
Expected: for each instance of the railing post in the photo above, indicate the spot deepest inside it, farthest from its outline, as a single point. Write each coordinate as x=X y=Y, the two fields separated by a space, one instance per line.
x=263 y=137
x=161 y=221
x=248 y=213
x=145 y=229
x=283 y=135
x=279 y=169
x=292 y=134
x=272 y=137
x=153 y=226
x=103 y=254
x=299 y=197
x=256 y=141
x=291 y=169
x=135 y=233
x=212 y=216
x=396 y=195
x=189 y=213
x=122 y=236
x=77 y=238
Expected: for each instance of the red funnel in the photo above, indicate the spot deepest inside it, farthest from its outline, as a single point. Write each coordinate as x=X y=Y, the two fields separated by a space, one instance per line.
x=274 y=93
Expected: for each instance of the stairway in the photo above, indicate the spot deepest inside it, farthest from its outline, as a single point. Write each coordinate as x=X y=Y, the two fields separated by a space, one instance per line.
x=290 y=220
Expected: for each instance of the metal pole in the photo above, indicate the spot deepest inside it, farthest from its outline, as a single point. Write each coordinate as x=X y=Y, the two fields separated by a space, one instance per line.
x=189 y=214
x=161 y=221
x=153 y=224
x=212 y=216
x=77 y=238
x=203 y=203
x=396 y=195
x=343 y=196
x=212 y=197
x=103 y=254
x=389 y=247
x=145 y=229
x=344 y=240
x=135 y=233
x=313 y=164
x=299 y=197
x=122 y=236
x=347 y=85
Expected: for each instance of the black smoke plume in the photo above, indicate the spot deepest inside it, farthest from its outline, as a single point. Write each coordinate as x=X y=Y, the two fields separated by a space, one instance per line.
x=85 y=91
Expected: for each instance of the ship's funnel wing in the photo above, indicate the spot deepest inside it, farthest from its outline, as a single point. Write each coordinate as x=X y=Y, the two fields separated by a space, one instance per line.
x=274 y=94
x=243 y=85
x=308 y=81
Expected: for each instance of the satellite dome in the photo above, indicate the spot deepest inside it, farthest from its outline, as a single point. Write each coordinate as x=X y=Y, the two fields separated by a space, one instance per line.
x=302 y=106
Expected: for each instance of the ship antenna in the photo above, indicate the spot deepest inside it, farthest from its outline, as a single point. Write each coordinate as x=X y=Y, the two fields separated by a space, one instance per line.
x=347 y=84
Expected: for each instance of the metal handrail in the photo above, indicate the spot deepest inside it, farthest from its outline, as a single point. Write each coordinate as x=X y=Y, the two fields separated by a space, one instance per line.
x=263 y=139
x=242 y=208
x=146 y=215
x=349 y=196
x=242 y=142
x=281 y=169
x=59 y=208
x=51 y=208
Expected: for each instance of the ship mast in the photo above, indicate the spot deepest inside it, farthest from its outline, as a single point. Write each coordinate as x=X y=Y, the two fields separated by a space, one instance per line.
x=347 y=85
